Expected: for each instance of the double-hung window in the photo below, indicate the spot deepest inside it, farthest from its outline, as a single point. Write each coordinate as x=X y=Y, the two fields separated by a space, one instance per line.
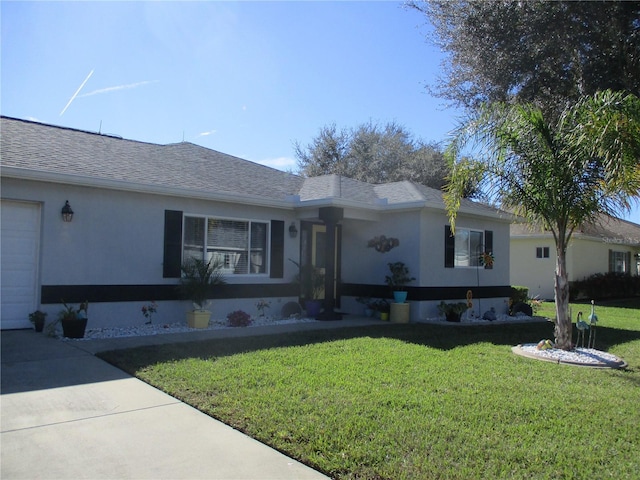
x=469 y=245
x=466 y=247
x=619 y=262
x=239 y=246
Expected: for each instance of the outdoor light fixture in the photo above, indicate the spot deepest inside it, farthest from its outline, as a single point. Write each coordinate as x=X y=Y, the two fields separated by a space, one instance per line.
x=293 y=231
x=67 y=213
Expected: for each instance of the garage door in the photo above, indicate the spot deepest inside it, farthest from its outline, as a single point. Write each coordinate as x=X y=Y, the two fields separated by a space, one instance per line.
x=20 y=232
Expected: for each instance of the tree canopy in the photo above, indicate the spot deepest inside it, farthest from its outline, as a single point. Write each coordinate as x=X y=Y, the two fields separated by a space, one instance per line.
x=544 y=52
x=372 y=153
x=558 y=172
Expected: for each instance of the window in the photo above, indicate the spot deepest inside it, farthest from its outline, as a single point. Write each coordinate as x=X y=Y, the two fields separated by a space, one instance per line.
x=240 y=246
x=619 y=262
x=469 y=246
x=464 y=249
x=542 y=252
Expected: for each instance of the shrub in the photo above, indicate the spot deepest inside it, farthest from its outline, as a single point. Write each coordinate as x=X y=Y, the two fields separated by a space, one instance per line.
x=605 y=285
x=519 y=294
x=239 y=319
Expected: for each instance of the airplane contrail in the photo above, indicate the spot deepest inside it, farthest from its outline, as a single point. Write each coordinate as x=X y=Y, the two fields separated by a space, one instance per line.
x=116 y=88
x=76 y=94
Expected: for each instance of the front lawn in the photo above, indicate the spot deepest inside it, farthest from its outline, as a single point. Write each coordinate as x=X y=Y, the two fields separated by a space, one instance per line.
x=416 y=401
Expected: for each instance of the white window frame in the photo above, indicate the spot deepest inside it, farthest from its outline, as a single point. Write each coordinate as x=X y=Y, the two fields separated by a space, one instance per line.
x=472 y=258
x=619 y=261
x=230 y=256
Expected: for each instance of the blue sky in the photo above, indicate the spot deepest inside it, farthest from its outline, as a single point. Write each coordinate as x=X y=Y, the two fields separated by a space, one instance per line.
x=244 y=78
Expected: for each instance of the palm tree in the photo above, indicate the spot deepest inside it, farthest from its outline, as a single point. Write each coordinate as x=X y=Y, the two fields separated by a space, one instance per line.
x=558 y=175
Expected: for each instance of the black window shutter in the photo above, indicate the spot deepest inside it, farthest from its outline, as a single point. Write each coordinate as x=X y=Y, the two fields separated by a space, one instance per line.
x=488 y=245
x=277 y=249
x=627 y=263
x=612 y=265
x=172 y=244
x=449 y=247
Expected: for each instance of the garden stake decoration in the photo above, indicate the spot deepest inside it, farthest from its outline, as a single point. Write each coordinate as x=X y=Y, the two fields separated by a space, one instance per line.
x=148 y=311
x=593 y=320
x=581 y=325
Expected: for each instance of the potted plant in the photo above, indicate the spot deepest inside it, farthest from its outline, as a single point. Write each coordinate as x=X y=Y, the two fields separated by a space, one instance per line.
x=311 y=280
x=37 y=318
x=73 y=320
x=452 y=311
x=369 y=305
x=398 y=280
x=198 y=278
x=382 y=307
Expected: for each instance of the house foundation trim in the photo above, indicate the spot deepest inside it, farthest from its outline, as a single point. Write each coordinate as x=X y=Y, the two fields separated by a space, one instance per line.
x=53 y=294
x=426 y=293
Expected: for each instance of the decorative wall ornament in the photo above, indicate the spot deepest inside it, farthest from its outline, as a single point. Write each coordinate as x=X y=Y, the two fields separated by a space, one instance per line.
x=486 y=259
x=383 y=244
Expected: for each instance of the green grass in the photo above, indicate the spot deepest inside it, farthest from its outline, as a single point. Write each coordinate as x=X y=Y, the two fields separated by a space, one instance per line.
x=417 y=401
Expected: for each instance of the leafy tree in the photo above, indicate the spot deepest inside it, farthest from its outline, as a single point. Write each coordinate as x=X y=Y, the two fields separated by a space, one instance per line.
x=372 y=153
x=558 y=173
x=545 y=52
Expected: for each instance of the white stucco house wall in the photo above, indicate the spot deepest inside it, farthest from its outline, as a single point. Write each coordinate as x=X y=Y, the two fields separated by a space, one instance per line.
x=141 y=208
x=609 y=245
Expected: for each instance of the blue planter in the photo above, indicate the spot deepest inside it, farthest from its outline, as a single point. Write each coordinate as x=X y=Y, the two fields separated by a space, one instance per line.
x=400 y=297
x=313 y=307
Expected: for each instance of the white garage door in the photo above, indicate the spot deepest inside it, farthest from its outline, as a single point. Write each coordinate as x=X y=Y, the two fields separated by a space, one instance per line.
x=20 y=230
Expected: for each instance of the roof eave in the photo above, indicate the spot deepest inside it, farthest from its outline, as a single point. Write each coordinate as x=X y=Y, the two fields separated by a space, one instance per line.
x=121 y=185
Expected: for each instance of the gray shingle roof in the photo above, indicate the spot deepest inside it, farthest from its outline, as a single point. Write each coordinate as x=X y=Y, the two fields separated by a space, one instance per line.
x=606 y=228
x=36 y=147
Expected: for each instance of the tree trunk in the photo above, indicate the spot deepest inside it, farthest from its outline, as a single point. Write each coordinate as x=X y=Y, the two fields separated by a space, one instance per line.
x=563 y=328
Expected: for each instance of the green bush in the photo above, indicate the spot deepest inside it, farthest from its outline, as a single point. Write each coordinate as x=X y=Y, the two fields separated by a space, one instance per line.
x=605 y=285
x=518 y=294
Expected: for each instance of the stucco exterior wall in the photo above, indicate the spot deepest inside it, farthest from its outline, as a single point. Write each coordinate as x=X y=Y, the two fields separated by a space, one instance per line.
x=421 y=236
x=117 y=238
x=535 y=273
x=586 y=256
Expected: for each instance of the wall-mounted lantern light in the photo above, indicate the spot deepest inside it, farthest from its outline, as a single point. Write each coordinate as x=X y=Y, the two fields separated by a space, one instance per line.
x=293 y=231
x=67 y=213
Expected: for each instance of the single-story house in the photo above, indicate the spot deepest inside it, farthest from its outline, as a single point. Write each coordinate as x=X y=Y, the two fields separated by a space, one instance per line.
x=608 y=245
x=139 y=209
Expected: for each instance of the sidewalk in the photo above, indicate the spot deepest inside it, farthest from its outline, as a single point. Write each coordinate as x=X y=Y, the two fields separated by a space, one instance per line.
x=67 y=414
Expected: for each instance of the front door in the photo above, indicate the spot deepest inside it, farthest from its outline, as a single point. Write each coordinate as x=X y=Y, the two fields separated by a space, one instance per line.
x=313 y=248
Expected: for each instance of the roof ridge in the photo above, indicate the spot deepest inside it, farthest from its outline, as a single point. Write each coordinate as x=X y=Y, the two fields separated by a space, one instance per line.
x=79 y=130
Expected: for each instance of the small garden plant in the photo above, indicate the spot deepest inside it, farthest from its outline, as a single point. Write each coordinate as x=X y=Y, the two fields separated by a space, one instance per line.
x=239 y=319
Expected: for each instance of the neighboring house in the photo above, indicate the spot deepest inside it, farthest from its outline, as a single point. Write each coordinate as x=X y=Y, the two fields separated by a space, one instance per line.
x=610 y=245
x=140 y=209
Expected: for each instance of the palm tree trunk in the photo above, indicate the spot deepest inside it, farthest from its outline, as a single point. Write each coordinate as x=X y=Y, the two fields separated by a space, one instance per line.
x=563 y=328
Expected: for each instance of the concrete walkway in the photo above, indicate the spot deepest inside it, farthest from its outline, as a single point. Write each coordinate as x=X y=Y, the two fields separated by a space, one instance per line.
x=67 y=414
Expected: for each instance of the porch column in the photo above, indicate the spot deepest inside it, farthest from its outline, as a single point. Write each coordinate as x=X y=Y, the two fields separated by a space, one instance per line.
x=330 y=216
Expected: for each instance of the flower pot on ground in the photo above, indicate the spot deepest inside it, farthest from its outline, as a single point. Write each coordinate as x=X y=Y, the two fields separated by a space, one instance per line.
x=313 y=307
x=400 y=312
x=452 y=311
x=37 y=318
x=398 y=280
x=369 y=305
x=311 y=282
x=381 y=306
x=199 y=278
x=74 y=320
x=198 y=318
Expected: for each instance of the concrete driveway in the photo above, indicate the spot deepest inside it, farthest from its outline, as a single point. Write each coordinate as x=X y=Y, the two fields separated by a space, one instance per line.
x=67 y=414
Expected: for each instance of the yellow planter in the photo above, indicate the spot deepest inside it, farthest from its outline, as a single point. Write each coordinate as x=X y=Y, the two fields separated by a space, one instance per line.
x=400 y=312
x=198 y=318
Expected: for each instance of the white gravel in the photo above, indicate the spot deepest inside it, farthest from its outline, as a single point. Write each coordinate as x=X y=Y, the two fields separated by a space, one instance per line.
x=577 y=356
x=164 y=328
